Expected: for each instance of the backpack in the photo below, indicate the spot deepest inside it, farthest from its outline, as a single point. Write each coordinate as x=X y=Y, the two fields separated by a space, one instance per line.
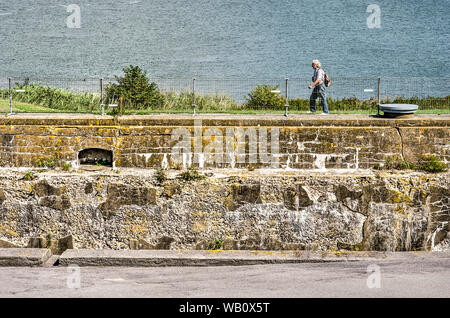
x=327 y=79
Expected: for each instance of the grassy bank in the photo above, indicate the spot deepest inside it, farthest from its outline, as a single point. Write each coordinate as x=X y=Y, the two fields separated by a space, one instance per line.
x=38 y=98
x=20 y=107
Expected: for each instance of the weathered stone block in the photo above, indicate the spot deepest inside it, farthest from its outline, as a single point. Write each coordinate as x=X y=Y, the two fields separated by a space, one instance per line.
x=172 y=189
x=243 y=194
x=6 y=244
x=439 y=225
x=230 y=244
x=250 y=243
x=418 y=142
x=57 y=246
x=121 y=194
x=56 y=202
x=36 y=242
x=164 y=242
x=88 y=188
x=44 y=189
x=296 y=197
x=141 y=244
x=65 y=243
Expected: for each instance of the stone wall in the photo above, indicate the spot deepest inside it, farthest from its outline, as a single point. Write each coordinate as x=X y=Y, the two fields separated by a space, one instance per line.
x=330 y=203
x=305 y=142
x=233 y=209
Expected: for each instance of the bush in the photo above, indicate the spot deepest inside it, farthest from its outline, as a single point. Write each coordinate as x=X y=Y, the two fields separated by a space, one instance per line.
x=398 y=164
x=425 y=102
x=134 y=91
x=428 y=163
x=262 y=97
x=215 y=244
x=48 y=163
x=66 y=166
x=161 y=176
x=29 y=176
x=191 y=174
x=432 y=164
x=299 y=104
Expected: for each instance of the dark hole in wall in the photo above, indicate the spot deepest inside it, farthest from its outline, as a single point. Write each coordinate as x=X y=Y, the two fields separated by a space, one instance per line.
x=95 y=156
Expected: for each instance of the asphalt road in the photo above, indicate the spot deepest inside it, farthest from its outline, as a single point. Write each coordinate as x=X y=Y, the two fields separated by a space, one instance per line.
x=397 y=278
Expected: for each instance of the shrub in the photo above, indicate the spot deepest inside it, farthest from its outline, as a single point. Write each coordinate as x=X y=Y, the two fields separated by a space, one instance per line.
x=48 y=238
x=215 y=244
x=191 y=174
x=427 y=163
x=29 y=176
x=432 y=164
x=299 y=104
x=66 y=166
x=49 y=163
x=397 y=163
x=133 y=90
x=262 y=97
x=161 y=176
x=425 y=102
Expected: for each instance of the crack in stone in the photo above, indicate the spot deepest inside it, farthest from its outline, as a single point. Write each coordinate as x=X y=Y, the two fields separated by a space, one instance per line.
x=401 y=140
x=355 y=211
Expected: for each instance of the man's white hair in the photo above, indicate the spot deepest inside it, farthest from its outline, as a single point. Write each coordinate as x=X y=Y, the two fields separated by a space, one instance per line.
x=317 y=63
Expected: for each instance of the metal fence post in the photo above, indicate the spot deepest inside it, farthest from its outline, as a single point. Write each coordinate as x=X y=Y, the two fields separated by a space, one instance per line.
x=286 y=106
x=193 y=94
x=10 y=97
x=379 y=96
x=101 y=97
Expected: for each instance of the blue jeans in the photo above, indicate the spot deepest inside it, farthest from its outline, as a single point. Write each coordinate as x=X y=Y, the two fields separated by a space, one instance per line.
x=318 y=91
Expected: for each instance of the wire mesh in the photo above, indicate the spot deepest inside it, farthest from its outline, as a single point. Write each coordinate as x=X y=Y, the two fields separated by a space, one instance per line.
x=237 y=89
x=426 y=92
x=3 y=83
x=360 y=88
x=84 y=85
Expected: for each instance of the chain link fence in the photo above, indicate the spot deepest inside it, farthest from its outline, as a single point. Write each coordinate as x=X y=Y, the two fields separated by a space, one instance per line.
x=87 y=95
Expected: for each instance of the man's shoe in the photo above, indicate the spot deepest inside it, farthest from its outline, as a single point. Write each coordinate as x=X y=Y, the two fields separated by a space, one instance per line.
x=310 y=112
x=325 y=114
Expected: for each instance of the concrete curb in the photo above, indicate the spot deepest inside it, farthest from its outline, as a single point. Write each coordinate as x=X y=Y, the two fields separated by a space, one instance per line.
x=159 y=258
x=24 y=256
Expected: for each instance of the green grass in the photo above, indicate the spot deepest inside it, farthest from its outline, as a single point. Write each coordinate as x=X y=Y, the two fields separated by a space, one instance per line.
x=21 y=107
x=433 y=111
x=431 y=164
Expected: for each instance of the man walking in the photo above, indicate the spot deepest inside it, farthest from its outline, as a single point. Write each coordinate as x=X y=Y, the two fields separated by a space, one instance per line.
x=318 y=86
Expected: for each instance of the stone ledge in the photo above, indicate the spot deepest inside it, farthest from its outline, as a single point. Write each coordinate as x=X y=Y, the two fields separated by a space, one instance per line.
x=163 y=258
x=160 y=258
x=24 y=256
x=175 y=120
